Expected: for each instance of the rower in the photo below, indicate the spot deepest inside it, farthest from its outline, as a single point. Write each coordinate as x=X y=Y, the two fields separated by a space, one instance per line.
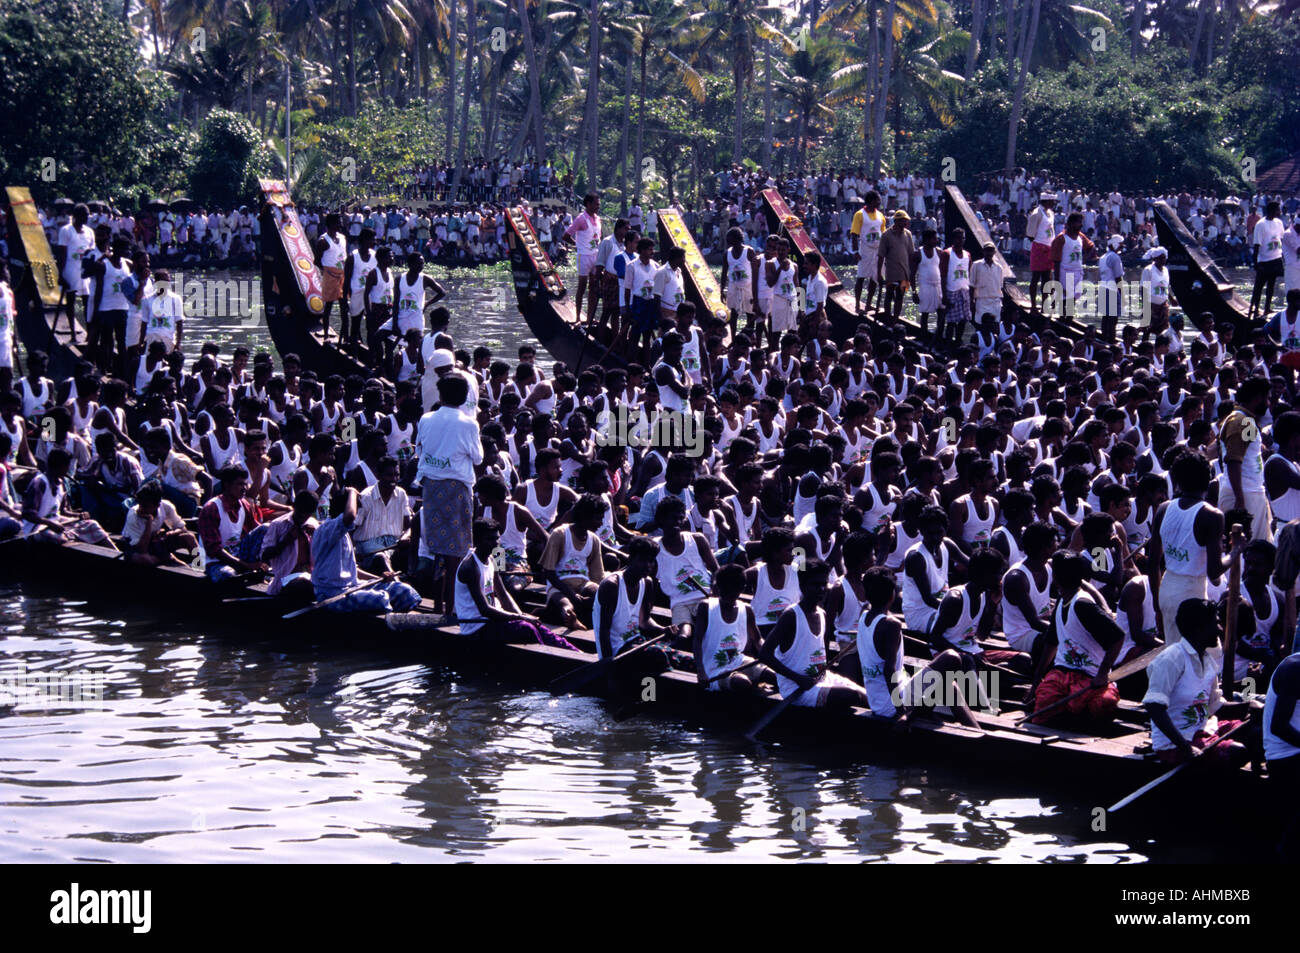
x=621 y=611
x=846 y=600
x=726 y=637
x=357 y=269
x=1026 y=592
x=1240 y=442
x=572 y=561
x=926 y=569
x=890 y=691
x=1083 y=644
x=383 y=518
x=516 y=526
x=1191 y=542
x=225 y=522
x=973 y=515
x=286 y=548
x=1281 y=727
x=968 y=612
x=484 y=606
x=334 y=569
x=1183 y=692
x=1282 y=471
x=685 y=566
x=796 y=649
x=773 y=581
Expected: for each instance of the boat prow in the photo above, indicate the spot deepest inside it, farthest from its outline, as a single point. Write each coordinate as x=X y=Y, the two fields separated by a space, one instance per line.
x=840 y=309
x=1198 y=284
x=293 y=291
x=34 y=278
x=544 y=303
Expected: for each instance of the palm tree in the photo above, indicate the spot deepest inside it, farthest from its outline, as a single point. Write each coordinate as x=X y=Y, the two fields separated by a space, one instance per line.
x=738 y=26
x=1017 y=104
x=654 y=28
x=811 y=69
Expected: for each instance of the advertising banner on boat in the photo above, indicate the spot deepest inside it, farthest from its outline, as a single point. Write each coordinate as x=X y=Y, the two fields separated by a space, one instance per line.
x=27 y=222
x=790 y=223
x=673 y=232
x=302 y=259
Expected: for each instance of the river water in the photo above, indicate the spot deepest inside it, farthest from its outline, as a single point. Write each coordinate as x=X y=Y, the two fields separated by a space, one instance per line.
x=208 y=746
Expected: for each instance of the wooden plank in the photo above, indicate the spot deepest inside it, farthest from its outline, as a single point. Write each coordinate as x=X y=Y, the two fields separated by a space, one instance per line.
x=522 y=226
x=798 y=235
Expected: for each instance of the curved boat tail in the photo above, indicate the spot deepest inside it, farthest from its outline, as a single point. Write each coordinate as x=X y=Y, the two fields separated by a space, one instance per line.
x=293 y=291
x=543 y=300
x=839 y=303
x=702 y=288
x=34 y=278
x=1197 y=282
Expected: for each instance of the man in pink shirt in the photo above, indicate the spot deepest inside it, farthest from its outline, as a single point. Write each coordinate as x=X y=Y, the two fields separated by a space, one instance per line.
x=584 y=233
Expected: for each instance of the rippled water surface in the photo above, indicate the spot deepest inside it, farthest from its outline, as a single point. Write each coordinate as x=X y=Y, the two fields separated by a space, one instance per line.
x=210 y=747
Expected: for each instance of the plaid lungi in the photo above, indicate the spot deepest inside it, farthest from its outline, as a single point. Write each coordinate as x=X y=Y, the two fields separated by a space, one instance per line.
x=446 y=517
x=958 y=307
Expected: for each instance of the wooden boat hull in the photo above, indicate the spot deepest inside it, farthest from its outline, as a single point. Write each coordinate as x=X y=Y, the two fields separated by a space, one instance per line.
x=1198 y=284
x=544 y=303
x=702 y=288
x=957 y=213
x=292 y=289
x=840 y=309
x=1100 y=769
x=34 y=278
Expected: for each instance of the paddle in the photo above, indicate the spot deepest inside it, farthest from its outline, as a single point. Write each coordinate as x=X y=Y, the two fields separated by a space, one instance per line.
x=1150 y=785
x=1128 y=668
x=335 y=598
x=774 y=712
x=1234 y=600
x=731 y=671
x=590 y=671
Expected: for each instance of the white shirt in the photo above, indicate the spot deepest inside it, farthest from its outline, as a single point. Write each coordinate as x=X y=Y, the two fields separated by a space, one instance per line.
x=448 y=446
x=815 y=292
x=77 y=242
x=1268 y=236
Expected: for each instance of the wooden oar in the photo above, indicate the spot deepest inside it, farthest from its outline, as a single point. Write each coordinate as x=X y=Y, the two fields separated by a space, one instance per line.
x=1234 y=600
x=1128 y=668
x=589 y=672
x=334 y=598
x=774 y=712
x=1151 y=785
x=732 y=671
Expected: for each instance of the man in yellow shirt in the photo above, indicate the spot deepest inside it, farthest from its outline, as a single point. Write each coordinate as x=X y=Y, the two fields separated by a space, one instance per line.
x=864 y=238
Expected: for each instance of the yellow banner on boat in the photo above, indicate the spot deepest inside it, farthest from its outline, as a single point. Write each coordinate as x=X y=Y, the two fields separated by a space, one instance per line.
x=670 y=220
x=45 y=271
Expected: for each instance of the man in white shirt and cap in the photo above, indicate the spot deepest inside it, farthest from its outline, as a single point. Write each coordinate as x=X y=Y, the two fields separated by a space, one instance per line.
x=438 y=363
x=1110 y=273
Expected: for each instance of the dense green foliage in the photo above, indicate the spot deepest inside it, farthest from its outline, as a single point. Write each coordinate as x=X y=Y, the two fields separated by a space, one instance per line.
x=80 y=113
x=120 y=102
x=227 y=162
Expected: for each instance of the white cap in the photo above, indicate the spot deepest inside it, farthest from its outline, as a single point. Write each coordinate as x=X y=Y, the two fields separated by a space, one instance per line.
x=441 y=358
x=1115 y=241
x=1047 y=197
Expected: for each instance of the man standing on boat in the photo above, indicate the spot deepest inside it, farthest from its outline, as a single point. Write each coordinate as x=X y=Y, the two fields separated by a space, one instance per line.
x=449 y=448
x=894 y=264
x=331 y=253
x=1267 y=240
x=1041 y=230
x=1241 y=446
x=75 y=241
x=584 y=234
x=605 y=276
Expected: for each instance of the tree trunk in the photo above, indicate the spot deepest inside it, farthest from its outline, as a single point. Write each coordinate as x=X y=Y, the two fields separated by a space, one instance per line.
x=593 y=97
x=450 y=104
x=1196 y=37
x=534 y=82
x=336 y=68
x=467 y=92
x=1018 y=103
x=976 y=28
x=623 y=135
x=873 y=78
x=738 y=81
x=352 y=63
x=768 y=117
x=883 y=104
x=640 y=130
x=1209 y=41
x=1139 y=15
